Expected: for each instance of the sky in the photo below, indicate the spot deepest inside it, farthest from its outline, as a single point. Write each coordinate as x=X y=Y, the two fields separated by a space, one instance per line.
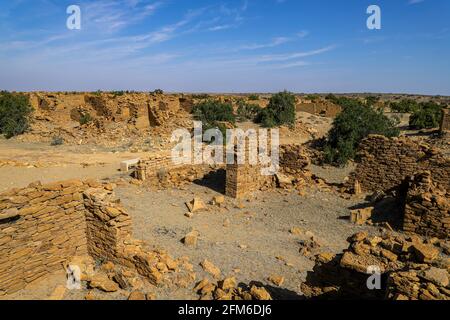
x=226 y=46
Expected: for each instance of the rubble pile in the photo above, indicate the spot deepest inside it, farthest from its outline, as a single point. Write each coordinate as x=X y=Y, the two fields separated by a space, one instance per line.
x=228 y=289
x=410 y=268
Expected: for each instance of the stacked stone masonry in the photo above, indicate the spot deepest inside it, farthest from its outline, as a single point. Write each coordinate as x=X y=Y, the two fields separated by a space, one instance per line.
x=384 y=163
x=43 y=226
x=445 y=124
x=426 y=208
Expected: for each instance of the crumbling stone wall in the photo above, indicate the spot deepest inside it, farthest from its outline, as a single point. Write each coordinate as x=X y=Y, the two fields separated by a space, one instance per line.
x=384 y=163
x=293 y=159
x=243 y=179
x=426 y=208
x=323 y=109
x=445 y=124
x=41 y=226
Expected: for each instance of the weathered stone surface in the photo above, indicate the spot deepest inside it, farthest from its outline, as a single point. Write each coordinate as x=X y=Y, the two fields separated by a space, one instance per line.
x=210 y=268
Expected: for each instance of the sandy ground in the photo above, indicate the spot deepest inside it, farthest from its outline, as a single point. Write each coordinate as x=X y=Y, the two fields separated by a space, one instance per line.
x=255 y=245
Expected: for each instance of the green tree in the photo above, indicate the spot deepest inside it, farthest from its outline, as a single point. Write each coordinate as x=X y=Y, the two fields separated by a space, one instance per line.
x=280 y=110
x=428 y=115
x=404 y=106
x=352 y=125
x=15 y=113
x=247 y=111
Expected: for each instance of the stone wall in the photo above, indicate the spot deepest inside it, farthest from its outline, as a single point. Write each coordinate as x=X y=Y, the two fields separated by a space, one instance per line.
x=445 y=124
x=384 y=163
x=41 y=227
x=242 y=180
x=426 y=208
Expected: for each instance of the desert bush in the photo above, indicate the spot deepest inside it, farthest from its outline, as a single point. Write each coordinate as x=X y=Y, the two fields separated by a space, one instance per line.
x=352 y=125
x=312 y=97
x=15 y=112
x=211 y=111
x=157 y=91
x=404 y=106
x=253 y=97
x=85 y=118
x=201 y=96
x=118 y=93
x=428 y=115
x=214 y=114
x=372 y=100
x=247 y=111
x=280 y=111
x=57 y=141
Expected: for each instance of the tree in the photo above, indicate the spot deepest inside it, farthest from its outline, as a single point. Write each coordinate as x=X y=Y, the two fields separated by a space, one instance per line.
x=15 y=112
x=247 y=111
x=352 y=125
x=280 y=110
x=428 y=115
x=404 y=106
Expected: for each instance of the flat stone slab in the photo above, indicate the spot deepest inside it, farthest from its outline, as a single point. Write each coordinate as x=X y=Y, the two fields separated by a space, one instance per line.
x=127 y=164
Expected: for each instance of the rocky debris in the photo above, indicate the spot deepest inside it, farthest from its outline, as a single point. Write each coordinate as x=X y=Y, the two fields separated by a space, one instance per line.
x=284 y=181
x=210 y=268
x=218 y=200
x=357 y=188
x=296 y=231
x=360 y=216
x=103 y=283
x=227 y=289
x=137 y=295
x=196 y=205
x=191 y=238
x=409 y=267
x=276 y=280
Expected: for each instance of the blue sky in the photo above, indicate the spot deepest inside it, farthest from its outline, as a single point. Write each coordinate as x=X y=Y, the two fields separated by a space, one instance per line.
x=226 y=46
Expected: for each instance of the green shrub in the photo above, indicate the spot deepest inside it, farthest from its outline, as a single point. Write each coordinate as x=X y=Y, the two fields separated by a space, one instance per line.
x=253 y=97
x=427 y=116
x=352 y=125
x=247 y=111
x=15 y=112
x=280 y=111
x=312 y=97
x=201 y=96
x=404 y=106
x=118 y=93
x=372 y=100
x=85 y=118
x=211 y=111
x=157 y=91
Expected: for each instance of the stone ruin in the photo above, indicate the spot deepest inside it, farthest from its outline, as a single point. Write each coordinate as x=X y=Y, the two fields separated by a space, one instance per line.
x=385 y=163
x=410 y=269
x=445 y=123
x=42 y=227
x=239 y=180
